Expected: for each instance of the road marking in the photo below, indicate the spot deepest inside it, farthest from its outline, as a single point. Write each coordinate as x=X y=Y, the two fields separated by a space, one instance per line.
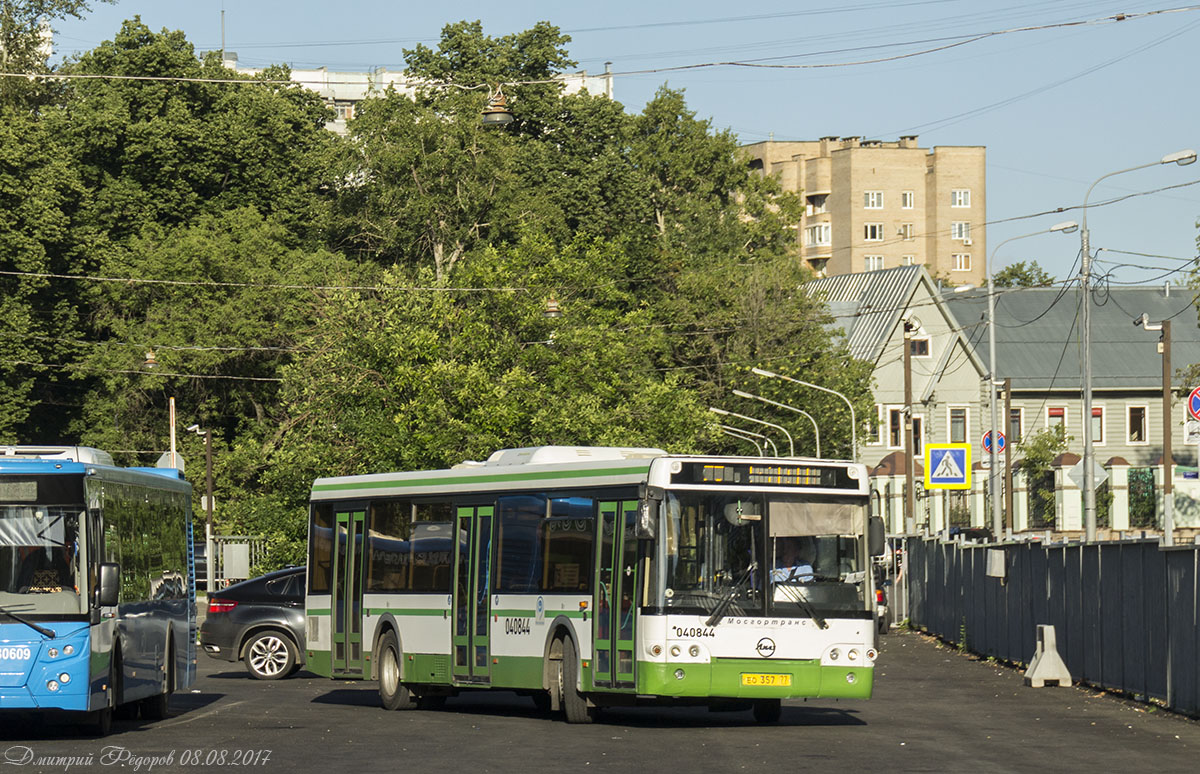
x=190 y=718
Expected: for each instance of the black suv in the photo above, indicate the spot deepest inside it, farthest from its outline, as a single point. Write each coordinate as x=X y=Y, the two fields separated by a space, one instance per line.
x=259 y=621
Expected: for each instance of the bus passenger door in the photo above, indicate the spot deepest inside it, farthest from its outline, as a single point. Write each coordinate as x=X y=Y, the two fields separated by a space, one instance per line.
x=347 y=593
x=472 y=594
x=615 y=595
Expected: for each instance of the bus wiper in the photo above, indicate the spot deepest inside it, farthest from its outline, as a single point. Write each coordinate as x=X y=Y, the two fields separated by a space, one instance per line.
x=796 y=596
x=723 y=605
x=42 y=630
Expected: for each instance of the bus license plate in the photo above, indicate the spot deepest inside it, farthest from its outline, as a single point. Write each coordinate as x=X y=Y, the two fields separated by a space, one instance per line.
x=766 y=680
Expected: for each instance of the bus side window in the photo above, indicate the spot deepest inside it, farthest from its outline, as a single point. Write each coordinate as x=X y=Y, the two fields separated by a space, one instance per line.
x=569 y=541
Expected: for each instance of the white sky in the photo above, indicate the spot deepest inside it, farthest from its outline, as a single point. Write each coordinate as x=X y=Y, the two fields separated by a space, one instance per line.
x=1055 y=108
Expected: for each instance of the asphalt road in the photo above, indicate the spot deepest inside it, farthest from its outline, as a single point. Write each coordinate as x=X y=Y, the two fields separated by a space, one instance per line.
x=934 y=709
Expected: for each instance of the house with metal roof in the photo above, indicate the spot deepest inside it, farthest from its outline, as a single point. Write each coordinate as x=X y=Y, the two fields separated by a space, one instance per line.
x=1038 y=348
x=876 y=311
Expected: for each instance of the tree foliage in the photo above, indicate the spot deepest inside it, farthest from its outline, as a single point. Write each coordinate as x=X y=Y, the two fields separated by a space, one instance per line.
x=330 y=305
x=1023 y=275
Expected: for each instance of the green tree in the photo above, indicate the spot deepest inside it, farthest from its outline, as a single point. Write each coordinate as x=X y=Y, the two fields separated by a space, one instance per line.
x=1039 y=451
x=1023 y=275
x=24 y=44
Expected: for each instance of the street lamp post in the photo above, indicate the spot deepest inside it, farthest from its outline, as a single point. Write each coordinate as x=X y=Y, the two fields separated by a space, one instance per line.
x=724 y=413
x=1182 y=158
x=1066 y=227
x=1167 y=458
x=853 y=421
x=816 y=430
x=745 y=436
x=209 y=559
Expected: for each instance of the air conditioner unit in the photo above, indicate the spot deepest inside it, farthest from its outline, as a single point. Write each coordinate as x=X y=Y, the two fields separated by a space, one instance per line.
x=967 y=242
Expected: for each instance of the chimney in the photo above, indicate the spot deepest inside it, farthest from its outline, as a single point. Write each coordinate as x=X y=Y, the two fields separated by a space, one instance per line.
x=908 y=141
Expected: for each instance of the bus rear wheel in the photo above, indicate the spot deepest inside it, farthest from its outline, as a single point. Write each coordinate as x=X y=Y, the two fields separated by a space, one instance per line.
x=393 y=694
x=574 y=705
x=767 y=710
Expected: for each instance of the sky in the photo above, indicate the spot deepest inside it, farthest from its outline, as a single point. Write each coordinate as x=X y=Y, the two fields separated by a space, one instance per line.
x=1057 y=107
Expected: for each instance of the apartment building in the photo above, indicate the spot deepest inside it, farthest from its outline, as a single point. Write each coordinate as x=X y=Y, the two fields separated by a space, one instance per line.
x=872 y=205
x=345 y=90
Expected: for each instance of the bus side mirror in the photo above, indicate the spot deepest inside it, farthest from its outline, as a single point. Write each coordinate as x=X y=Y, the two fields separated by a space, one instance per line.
x=647 y=523
x=110 y=584
x=876 y=536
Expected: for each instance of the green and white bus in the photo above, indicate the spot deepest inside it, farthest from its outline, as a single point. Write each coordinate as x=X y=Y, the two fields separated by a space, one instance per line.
x=589 y=577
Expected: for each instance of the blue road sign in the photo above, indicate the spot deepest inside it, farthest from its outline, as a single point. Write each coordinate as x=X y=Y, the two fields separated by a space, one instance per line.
x=987 y=442
x=948 y=466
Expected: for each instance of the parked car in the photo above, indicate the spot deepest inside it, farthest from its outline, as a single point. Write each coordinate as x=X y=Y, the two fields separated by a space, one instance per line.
x=259 y=622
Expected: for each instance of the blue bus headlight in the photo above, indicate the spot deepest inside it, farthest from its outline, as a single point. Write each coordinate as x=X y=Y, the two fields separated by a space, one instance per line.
x=64 y=678
x=68 y=650
x=52 y=685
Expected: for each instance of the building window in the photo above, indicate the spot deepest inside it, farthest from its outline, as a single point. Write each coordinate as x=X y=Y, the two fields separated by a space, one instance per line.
x=958 y=424
x=345 y=110
x=872 y=262
x=896 y=428
x=919 y=347
x=1016 y=423
x=918 y=437
x=962 y=261
x=906 y=200
x=1137 y=425
x=816 y=203
x=960 y=197
x=817 y=234
x=960 y=229
x=1097 y=425
x=906 y=232
x=908 y=260
x=1056 y=417
x=873 y=200
x=873 y=232
x=874 y=429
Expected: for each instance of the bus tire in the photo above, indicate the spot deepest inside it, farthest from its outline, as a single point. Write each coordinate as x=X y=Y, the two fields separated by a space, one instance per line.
x=574 y=705
x=120 y=710
x=269 y=655
x=158 y=707
x=767 y=710
x=102 y=720
x=393 y=694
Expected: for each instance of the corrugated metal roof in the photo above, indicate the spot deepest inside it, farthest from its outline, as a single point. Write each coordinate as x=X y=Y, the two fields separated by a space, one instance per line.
x=867 y=305
x=1038 y=342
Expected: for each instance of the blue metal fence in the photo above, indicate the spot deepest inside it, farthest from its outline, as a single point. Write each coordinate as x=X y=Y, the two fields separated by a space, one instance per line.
x=1126 y=613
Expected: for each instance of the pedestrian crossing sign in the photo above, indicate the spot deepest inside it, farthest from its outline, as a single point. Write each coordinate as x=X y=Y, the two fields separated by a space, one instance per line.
x=947 y=466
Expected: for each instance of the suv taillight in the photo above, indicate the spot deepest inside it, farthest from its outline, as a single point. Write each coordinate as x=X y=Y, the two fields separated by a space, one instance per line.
x=218 y=605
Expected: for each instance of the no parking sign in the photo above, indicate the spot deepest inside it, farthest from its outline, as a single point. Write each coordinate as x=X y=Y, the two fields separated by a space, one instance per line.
x=1194 y=404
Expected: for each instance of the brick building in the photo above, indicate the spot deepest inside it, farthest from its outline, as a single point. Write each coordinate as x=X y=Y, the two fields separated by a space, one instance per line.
x=873 y=205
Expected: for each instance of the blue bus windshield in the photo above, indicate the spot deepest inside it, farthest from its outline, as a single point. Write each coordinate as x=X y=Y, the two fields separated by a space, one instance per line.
x=40 y=561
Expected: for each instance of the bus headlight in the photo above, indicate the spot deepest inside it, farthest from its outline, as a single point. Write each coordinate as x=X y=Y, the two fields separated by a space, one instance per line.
x=679 y=674
x=834 y=654
x=872 y=654
x=52 y=685
x=52 y=653
x=851 y=678
x=694 y=651
x=68 y=650
x=674 y=650
x=656 y=650
x=64 y=678
x=853 y=654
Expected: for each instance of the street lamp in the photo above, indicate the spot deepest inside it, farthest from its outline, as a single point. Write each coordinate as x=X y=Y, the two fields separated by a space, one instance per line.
x=853 y=421
x=1066 y=227
x=745 y=435
x=816 y=430
x=1167 y=458
x=1182 y=158
x=724 y=413
x=209 y=559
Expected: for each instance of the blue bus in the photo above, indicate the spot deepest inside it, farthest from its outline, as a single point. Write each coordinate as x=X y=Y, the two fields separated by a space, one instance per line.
x=97 y=585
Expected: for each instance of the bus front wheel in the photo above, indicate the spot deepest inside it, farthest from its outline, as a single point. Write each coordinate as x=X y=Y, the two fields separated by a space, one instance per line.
x=393 y=694
x=574 y=705
x=767 y=710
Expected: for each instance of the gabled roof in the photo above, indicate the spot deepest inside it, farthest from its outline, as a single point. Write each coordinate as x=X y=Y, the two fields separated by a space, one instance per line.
x=1038 y=342
x=868 y=306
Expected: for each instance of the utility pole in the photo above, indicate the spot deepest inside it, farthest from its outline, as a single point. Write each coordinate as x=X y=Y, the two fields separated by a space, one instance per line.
x=1168 y=459
x=910 y=496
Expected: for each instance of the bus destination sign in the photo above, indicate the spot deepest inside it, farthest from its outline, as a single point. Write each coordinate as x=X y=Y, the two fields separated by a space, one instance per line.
x=751 y=474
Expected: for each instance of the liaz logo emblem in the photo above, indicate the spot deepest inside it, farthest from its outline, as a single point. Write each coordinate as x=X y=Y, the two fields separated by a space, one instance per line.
x=765 y=647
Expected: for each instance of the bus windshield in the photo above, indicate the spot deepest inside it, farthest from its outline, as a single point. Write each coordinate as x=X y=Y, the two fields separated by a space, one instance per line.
x=776 y=554
x=40 y=569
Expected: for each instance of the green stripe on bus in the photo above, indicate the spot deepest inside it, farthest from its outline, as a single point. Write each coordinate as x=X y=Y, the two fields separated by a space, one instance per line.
x=481 y=479
x=548 y=615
